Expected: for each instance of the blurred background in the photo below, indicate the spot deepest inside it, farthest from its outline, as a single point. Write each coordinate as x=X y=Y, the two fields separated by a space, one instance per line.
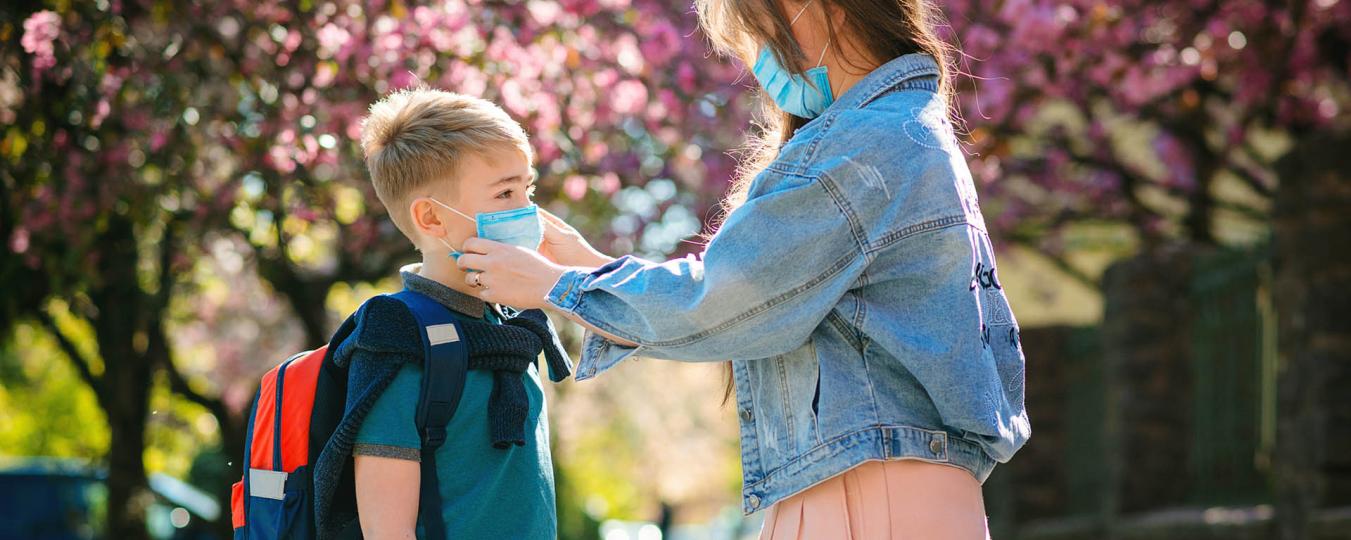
x=183 y=205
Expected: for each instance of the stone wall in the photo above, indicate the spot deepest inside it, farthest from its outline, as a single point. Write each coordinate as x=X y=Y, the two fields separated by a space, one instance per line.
x=1146 y=346
x=1312 y=224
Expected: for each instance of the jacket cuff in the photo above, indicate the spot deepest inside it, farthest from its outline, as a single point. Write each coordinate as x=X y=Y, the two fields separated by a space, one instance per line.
x=567 y=291
x=600 y=354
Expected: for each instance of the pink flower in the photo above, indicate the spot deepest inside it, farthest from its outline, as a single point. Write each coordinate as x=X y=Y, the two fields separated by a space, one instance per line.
x=40 y=30
x=401 y=78
x=332 y=38
x=18 y=242
x=426 y=18
x=609 y=183
x=545 y=12
x=584 y=8
x=628 y=97
x=280 y=159
x=575 y=187
x=158 y=140
x=101 y=111
x=686 y=78
x=595 y=151
x=324 y=74
x=513 y=98
x=660 y=43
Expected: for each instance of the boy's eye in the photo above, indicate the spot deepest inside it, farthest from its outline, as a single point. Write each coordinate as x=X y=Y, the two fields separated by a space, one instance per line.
x=529 y=192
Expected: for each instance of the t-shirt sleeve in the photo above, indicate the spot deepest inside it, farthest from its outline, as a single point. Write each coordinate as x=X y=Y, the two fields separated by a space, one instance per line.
x=390 y=428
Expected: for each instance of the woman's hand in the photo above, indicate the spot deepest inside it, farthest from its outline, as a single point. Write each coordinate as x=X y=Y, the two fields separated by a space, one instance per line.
x=564 y=245
x=519 y=277
x=507 y=274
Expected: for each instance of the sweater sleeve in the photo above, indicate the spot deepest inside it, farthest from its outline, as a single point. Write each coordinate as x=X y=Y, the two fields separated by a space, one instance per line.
x=388 y=334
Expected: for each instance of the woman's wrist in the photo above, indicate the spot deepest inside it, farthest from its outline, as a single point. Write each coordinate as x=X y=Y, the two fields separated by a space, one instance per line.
x=599 y=259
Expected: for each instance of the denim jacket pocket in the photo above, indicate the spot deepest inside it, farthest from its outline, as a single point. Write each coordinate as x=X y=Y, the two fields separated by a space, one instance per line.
x=798 y=373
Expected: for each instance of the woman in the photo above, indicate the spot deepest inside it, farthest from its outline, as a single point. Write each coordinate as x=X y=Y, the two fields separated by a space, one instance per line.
x=877 y=368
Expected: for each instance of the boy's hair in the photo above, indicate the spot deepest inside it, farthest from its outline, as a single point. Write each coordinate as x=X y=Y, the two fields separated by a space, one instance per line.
x=418 y=136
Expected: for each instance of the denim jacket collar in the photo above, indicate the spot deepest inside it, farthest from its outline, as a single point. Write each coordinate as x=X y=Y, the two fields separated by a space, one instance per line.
x=885 y=78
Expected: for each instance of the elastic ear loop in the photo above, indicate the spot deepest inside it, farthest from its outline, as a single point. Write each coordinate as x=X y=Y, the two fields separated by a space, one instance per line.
x=800 y=12
x=794 y=21
x=462 y=214
x=443 y=241
x=448 y=207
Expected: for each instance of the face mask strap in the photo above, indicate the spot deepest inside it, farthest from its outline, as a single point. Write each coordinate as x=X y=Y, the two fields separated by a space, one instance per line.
x=447 y=207
x=800 y=12
x=443 y=241
x=799 y=16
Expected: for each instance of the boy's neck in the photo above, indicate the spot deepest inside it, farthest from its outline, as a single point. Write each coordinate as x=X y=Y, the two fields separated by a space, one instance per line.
x=443 y=270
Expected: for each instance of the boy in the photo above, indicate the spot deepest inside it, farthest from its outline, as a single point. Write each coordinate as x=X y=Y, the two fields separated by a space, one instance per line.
x=437 y=160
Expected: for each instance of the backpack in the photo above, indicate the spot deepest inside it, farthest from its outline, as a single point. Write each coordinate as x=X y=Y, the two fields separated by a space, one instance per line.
x=299 y=404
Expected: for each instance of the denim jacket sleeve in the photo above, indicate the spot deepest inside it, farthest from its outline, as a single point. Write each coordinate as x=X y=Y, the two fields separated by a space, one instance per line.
x=776 y=267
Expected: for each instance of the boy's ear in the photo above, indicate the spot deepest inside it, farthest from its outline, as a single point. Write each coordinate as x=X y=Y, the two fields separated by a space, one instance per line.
x=425 y=219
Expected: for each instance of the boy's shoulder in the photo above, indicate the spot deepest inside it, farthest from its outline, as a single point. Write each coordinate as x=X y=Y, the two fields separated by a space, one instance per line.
x=386 y=325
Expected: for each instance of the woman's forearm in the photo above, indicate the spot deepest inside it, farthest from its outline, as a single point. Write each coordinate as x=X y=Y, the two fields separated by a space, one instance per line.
x=595 y=259
x=578 y=319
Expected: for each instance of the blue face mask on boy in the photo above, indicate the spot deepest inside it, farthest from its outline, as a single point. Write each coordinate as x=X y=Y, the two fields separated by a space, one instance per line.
x=794 y=93
x=518 y=227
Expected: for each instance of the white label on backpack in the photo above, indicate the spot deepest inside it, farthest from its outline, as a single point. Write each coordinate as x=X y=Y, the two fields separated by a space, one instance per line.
x=442 y=333
x=268 y=484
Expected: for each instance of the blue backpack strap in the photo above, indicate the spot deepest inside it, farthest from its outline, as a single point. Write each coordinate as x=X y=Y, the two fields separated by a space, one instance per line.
x=445 y=365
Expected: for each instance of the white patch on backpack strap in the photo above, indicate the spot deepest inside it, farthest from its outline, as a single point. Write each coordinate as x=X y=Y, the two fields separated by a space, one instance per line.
x=267 y=484
x=442 y=333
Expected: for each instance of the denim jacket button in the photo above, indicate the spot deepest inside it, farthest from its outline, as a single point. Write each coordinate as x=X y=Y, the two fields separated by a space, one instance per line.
x=754 y=501
x=936 y=446
x=746 y=415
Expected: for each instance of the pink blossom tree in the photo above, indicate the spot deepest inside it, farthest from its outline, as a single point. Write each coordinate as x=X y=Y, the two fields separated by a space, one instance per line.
x=1166 y=116
x=138 y=131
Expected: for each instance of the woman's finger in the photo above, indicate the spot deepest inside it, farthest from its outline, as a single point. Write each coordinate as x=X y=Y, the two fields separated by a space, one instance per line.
x=549 y=216
x=555 y=221
x=472 y=260
x=475 y=244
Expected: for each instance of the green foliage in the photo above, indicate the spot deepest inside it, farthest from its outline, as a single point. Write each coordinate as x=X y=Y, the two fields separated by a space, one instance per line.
x=45 y=409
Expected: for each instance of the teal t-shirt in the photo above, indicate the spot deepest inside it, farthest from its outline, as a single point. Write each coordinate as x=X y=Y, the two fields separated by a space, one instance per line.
x=485 y=492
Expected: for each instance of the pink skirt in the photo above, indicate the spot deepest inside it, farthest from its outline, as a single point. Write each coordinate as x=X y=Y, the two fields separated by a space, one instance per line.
x=905 y=499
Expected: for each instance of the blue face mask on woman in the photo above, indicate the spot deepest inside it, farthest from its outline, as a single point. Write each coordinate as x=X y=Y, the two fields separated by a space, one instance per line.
x=518 y=227
x=805 y=95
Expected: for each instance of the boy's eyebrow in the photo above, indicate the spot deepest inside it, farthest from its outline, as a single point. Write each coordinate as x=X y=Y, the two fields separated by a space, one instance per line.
x=511 y=179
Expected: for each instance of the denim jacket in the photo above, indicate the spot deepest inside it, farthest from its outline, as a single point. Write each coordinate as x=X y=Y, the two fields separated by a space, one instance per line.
x=855 y=293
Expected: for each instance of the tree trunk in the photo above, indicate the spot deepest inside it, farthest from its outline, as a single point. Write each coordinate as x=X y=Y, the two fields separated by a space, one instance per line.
x=307 y=295
x=309 y=300
x=1312 y=227
x=122 y=341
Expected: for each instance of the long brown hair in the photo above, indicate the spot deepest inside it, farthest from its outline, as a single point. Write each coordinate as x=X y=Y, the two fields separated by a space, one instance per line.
x=887 y=29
